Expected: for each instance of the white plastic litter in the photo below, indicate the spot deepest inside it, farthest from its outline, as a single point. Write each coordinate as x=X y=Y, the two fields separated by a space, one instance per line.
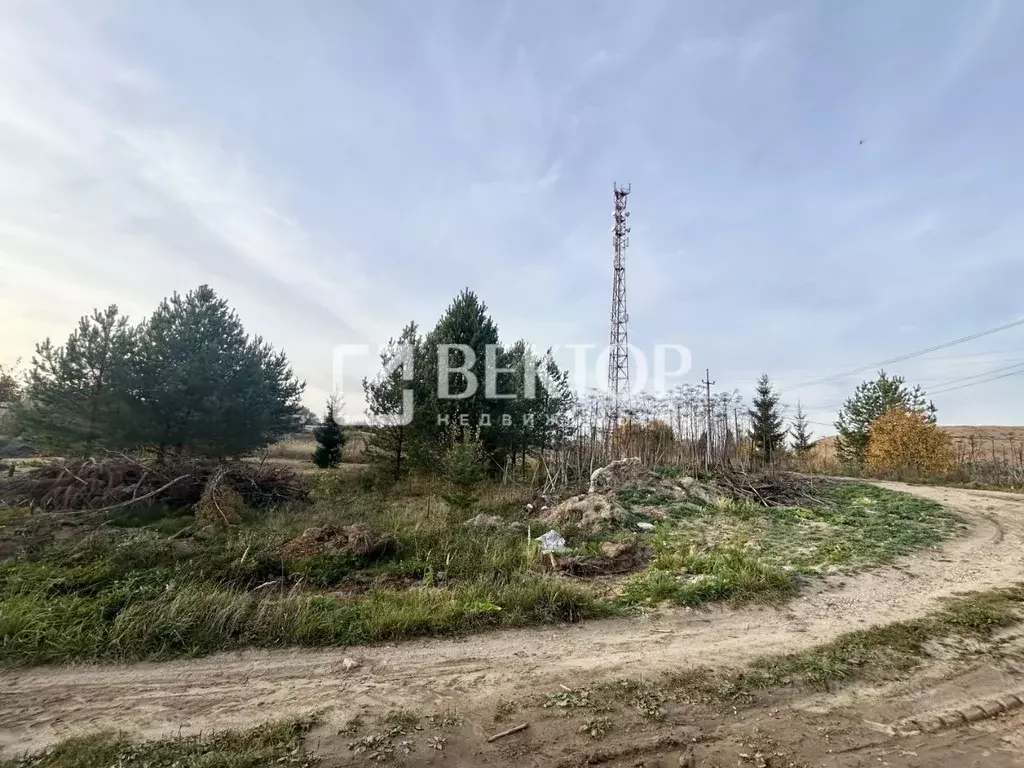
x=645 y=526
x=551 y=542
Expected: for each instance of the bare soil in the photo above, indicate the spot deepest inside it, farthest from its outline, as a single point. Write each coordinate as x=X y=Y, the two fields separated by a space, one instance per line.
x=473 y=676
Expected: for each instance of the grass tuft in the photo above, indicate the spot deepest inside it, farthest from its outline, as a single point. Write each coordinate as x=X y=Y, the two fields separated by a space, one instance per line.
x=271 y=744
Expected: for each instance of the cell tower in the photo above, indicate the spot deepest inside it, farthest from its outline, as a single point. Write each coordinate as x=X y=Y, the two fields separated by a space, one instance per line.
x=618 y=344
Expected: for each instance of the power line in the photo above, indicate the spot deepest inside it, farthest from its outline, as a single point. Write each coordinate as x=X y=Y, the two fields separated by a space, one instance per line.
x=959 y=383
x=909 y=355
x=957 y=380
x=983 y=381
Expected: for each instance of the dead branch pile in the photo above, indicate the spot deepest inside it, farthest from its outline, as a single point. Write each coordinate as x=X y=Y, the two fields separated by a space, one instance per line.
x=92 y=484
x=779 y=489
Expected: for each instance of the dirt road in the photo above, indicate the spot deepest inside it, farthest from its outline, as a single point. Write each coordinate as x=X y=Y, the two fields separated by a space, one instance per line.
x=41 y=705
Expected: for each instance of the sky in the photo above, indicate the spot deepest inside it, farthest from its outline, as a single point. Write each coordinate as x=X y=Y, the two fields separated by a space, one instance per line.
x=815 y=186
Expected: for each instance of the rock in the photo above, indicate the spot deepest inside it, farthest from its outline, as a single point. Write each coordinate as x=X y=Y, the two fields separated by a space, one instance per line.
x=349 y=664
x=484 y=521
x=646 y=527
x=529 y=507
x=687 y=481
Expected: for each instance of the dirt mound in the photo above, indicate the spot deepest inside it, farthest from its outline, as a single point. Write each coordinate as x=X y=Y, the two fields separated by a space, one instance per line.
x=590 y=512
x=92 y=484
x=615 y=557
x=357 y=540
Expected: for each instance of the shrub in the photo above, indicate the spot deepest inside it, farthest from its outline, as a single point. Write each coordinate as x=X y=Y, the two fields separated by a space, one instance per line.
x=907 y=440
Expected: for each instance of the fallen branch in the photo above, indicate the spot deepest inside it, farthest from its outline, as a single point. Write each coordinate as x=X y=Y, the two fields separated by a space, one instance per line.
x=161 y=489
x=509 y=732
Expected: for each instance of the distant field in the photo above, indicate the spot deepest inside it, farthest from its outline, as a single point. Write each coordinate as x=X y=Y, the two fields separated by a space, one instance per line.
x=973 y=443
x=299 y=447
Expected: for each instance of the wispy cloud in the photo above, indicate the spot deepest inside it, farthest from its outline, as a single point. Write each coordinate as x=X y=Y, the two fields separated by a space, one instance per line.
x=815 y=186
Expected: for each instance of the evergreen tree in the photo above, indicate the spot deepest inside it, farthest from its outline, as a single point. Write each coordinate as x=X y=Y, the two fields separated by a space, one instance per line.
x=767 y=435
x=527 y=411
x=10 y=387
x=75 y=398
x=800 y=431
x=329 y=439
x=465 y=322
x=871 y=400
x=386 y=406
x=203 y=386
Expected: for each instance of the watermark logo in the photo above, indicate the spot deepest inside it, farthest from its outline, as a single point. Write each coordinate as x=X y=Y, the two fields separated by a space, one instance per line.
x=460 y=371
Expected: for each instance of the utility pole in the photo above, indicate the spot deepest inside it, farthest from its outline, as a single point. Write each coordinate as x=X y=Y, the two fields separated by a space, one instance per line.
x=707 y=442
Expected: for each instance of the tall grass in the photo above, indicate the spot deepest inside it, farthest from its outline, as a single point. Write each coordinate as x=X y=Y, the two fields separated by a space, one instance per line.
x=198 y=619
x=138 y=594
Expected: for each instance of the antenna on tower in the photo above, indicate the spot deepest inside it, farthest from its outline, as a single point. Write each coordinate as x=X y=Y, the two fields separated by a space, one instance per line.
x=618 y=345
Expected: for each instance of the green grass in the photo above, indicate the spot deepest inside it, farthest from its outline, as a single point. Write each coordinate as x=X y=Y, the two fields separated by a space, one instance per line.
x=882 y=652
x=135 y=593
x=277 y=744
x=129 y=591
x=693 y=578
x=196 y=619
x=741 y=551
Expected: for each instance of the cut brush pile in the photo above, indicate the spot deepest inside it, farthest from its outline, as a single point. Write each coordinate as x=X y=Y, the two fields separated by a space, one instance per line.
x=92 y=484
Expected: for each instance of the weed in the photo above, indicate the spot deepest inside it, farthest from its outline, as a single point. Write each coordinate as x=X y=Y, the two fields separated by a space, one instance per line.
x=570 y=699
x=644 y=696
x=649 y=704
x=402 y=718
x=377 y=747
x=437 y=742
x=447 y=719
x=596 y=727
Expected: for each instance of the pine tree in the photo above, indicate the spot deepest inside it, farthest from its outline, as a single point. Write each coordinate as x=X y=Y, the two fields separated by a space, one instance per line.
x=387 y=405
x=329 y=439
x=871 y=400
x=204 y=386
x=465 y=322
x=767 y=435
x=76 y=398
x=800 y=431
x=10 y=387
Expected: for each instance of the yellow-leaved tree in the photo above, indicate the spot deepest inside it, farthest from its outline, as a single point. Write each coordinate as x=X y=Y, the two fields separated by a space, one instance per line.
x=905 y=440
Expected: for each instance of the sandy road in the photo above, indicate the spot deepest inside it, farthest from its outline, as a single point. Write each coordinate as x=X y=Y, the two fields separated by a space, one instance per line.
x=43 y=704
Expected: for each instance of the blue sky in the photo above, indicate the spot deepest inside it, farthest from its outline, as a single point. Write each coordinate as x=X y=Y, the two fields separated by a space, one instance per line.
x=336 y=169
